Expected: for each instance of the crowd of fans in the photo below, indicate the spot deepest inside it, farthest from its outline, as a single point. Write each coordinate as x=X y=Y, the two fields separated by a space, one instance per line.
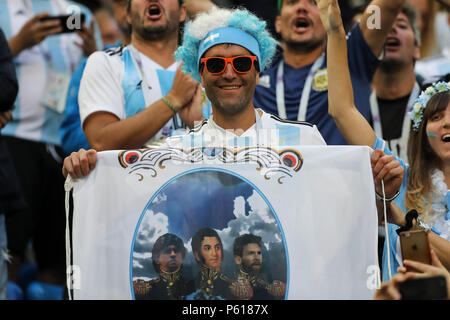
x=62 y=92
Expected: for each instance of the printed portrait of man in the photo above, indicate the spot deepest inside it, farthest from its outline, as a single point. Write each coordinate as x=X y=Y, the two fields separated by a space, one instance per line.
x=248 y=257
x=167 y=258
x=213 y=284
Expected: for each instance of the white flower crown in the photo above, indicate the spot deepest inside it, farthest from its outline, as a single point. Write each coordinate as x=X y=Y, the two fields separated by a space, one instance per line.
x=421 y=102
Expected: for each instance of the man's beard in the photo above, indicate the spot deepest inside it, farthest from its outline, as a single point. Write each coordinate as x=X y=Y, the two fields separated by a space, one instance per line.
x=391 y=66
x=251 y=268
x=231 y=109
x=304 y=46
x=152 y=33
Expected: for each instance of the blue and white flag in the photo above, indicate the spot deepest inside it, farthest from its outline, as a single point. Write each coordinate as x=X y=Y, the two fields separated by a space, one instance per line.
x=312 y=207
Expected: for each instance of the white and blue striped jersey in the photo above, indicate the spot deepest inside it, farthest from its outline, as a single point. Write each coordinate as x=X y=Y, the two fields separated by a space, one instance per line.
x=112 y=83
x=32 y=120
x=268 y=131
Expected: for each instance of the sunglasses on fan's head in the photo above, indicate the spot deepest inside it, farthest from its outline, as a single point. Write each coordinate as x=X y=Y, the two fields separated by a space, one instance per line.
x=218 y=65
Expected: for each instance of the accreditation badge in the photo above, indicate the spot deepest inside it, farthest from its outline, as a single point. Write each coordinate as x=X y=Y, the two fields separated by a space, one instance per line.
x=56 y=91
x=320 y=81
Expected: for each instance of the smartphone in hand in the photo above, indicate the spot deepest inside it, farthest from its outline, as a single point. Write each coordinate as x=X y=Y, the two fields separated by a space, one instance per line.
x=433 y=288
x=69 y=22
x=415 y=246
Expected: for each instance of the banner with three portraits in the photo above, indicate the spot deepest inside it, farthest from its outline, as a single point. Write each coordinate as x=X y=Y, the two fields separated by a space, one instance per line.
x=207 y=224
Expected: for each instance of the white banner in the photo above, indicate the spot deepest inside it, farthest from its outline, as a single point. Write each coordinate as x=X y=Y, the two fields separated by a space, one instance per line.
x=312 y=207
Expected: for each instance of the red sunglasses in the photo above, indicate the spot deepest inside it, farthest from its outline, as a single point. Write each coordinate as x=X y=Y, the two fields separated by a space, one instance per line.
x=217 y=65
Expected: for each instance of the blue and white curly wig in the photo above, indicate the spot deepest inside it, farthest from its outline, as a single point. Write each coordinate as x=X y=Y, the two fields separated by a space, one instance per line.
x=218 y=26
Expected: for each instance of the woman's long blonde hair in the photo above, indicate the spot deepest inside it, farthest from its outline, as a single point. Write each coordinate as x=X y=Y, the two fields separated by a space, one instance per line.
x=422 y=160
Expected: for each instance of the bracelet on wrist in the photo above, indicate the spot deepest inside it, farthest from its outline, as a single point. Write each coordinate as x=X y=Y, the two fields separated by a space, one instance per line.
x=387 y=200
x=169 y=104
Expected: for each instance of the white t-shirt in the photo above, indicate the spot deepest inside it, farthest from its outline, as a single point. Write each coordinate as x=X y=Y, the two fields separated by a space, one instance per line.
x=268 y=131
x=112 y=83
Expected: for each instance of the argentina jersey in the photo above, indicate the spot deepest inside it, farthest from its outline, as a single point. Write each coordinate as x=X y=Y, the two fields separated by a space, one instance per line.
x=37 y=115
x=124 y=82
x=268 y=131
x=157 y=84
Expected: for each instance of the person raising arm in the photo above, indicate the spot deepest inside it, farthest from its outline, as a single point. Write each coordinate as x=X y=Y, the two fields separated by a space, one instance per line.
x=428 y=174
x=353 y=126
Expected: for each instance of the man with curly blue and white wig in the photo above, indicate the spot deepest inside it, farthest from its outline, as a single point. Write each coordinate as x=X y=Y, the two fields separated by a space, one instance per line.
x=226 y=50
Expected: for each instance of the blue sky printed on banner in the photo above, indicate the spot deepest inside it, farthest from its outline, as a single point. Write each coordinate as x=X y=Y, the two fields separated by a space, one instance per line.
x=220 y=201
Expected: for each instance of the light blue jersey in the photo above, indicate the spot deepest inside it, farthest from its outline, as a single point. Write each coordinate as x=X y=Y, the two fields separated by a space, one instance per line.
x=36 y=116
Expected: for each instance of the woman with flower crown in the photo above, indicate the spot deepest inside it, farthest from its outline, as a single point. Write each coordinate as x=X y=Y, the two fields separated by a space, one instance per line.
x=427 y=177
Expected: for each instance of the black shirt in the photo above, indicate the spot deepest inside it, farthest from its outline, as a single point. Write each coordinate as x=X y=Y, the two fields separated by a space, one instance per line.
x=392 y=113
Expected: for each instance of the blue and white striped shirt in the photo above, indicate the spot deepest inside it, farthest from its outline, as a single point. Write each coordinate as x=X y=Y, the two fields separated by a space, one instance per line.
x=32 y=120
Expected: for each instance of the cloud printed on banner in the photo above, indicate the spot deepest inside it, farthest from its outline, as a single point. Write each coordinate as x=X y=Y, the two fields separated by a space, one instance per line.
x=152 y=227
x=250 y=215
